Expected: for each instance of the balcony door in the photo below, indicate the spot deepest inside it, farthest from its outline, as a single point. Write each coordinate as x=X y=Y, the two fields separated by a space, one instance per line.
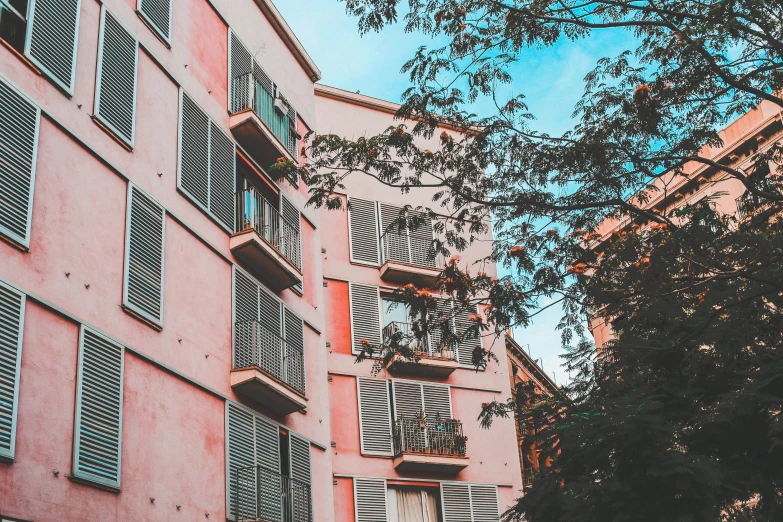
x=406 y=504
x=397 y=321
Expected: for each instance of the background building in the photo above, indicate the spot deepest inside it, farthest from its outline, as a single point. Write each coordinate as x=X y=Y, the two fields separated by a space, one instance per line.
x=176 y=329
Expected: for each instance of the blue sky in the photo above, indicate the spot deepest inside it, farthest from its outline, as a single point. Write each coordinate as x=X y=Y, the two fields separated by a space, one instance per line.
x=550 y=78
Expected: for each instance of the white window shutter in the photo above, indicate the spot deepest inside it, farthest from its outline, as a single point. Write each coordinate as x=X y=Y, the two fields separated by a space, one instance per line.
x=295 y=352
x=292 y=239
x=19 y=126
x=144 y=252
x=240 y=64
x=395 y=243
x=268 y=457
x=455 y=500
x=116 y=78
x=484 y=503
x=271 y=333
x=98 y=430
x=300 y=459
x=52 y=38
x=420 y=240
x=157 y=13
x=245 y=318
x=240 y=454
x=461 y=324
x=363 y=231
x=443 y=311
x=365 y=301
x=437 y=401
x=374 y=416
x=369 y=496
x=12 y=304
x=222 y=176
x=408 y=400
x=193 y=172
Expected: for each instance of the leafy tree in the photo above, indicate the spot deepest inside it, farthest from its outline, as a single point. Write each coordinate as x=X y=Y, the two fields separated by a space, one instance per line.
x=679 y=418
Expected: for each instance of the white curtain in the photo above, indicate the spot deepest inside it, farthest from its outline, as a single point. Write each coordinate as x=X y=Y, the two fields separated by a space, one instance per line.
x=412 y=505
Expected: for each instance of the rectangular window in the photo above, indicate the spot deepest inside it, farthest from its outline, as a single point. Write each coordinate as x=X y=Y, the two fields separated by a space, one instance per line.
x=144 y=253
x=116 y=79
x=98 y=425
x=20 y=121
x=207 y=163
x=469 y=502
x=363 y=231
x=12 y=304
x=406 y=504
x=365 y=302
x=157 y=14
x=369 y=499
x=52 y=37
x=13 y=23
x=374 y=416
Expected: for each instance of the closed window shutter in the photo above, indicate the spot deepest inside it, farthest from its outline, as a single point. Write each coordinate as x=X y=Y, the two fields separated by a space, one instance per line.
x=207 y=163
x=19 y=126
x=301 y=504
x=12 y=304
x=51 y=40
x=421 y=242
x=271 y=335
x=252 y=441
x=437 y=401
x=115 y=89
x=292 y=244
x=461 y=324
x=295 y=355
x=374 y=416
x=369 y=499
x=245 y=317
x=194 y=151
x=395 y=242
x=222 y=178
x=455 y=499
x=484 y=503
x=157 y=13
x=443 y=312
x=363 y=229
x=144 y=247
x=293 y=137
x=98 y=438
x=365 y=315
x=240 y=63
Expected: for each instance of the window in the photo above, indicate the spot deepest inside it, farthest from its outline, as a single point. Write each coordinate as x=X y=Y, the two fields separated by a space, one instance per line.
x=13 y=23
x=157 y=14
x=207 y=163
x=469 y=502
x=365 y=316
x=374 y=416
x=12 y=305
x=405 y=504
x=115 y=89
x=363 y=231
x=98 y=426
x=51 y=36
x=19 y=126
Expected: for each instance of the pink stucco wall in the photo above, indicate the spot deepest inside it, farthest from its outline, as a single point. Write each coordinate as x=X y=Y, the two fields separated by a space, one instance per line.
x=490 y=463
x=173 y=440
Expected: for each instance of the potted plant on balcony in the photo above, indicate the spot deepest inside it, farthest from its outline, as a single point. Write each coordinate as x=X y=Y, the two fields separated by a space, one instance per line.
x=281 y=103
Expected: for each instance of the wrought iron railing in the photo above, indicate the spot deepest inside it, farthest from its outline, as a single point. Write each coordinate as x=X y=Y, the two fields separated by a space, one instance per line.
x=256 y=213
x=527 y=477
x=257 y=346
x=261 y=494
x=261 y=96
x=432 y=437
x=411 y=250
x=402 y=335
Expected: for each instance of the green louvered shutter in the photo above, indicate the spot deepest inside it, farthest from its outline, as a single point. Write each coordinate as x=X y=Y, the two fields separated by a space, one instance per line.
x=300 y=471
x=484 y=503
x=157 y=13
x=19 y=125
x=455 y=499
x=363 y=231
x=98 y=437
x=470 y=341
x=294 y=350
x=369 y=496
x=222 y=176
x=144 y=246
x=12 y=304
x=240 y=449
x=374 y=416
x=116 y=79
x=365 y=315
x=52 y=38
x=193 y=172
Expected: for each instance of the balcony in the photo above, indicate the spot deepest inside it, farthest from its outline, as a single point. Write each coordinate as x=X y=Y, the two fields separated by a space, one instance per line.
x=417 y=356
x=265 y=242
x=261 y=494
x=407 y=259
x=261 y=120
x=436 y=446
x=527 y=477
x=267 y=369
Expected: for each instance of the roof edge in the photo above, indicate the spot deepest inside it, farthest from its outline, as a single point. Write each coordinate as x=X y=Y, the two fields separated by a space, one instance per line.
x=542 y=375
x=289 y=38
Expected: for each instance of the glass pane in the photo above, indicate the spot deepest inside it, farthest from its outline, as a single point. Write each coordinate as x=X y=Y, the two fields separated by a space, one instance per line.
x=12 y=28
x=394 y=311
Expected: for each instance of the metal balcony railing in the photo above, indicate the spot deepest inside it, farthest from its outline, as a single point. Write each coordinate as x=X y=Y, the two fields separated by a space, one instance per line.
x=259 y=94
x=261 y=494
x=527 y=477
x=431 y=437
x=402 y=335
x=404 y=248
x=255 y=212
x=256 y=345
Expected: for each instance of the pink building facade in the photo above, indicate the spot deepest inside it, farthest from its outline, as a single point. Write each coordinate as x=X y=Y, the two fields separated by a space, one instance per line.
x=175 y=327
